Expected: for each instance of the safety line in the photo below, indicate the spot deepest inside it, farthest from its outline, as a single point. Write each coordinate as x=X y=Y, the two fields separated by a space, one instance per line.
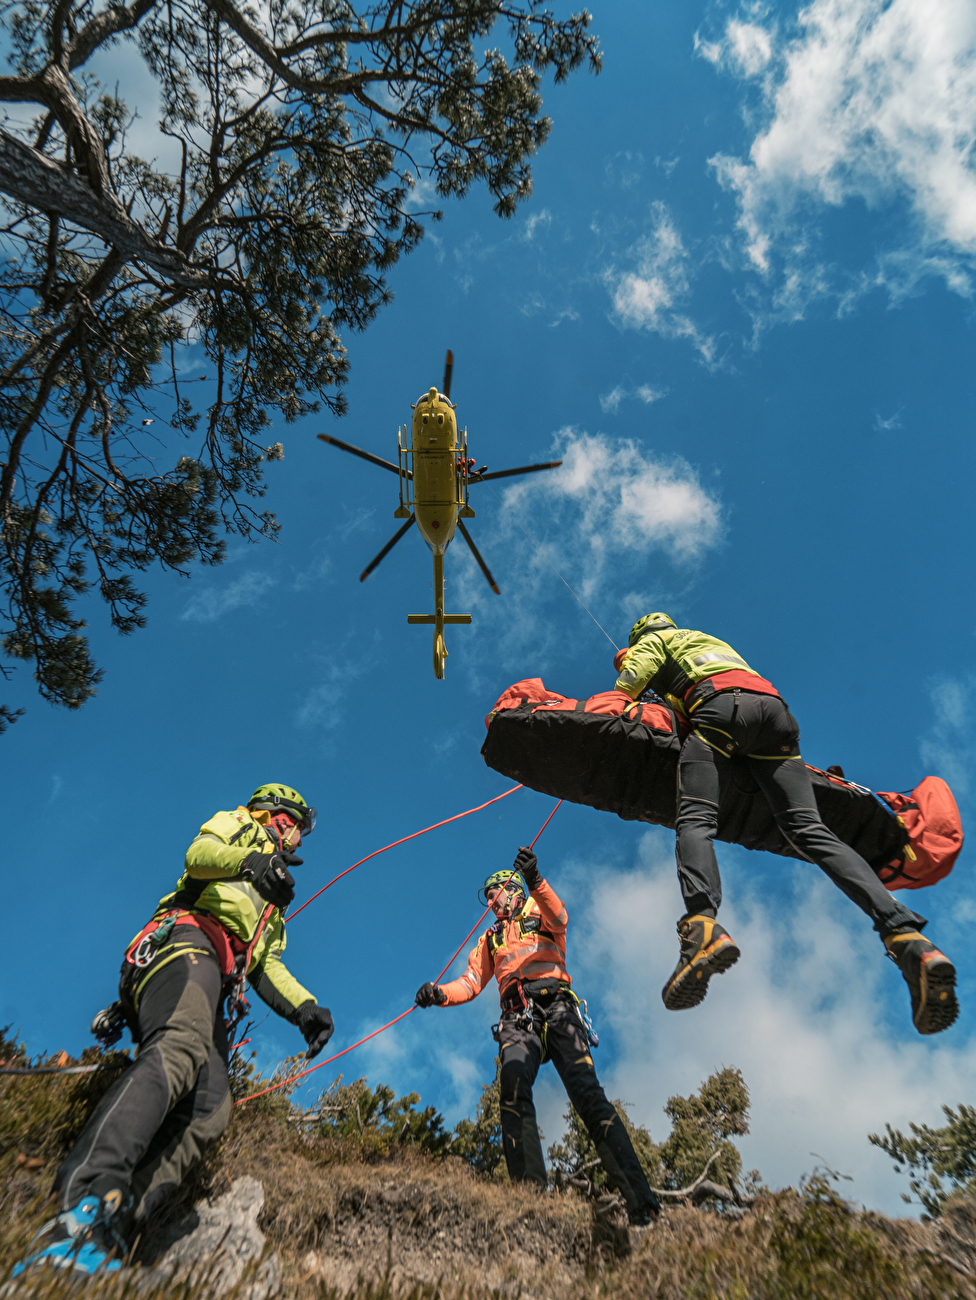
x=553 y=567
x=403 y=1015
x=456 y=817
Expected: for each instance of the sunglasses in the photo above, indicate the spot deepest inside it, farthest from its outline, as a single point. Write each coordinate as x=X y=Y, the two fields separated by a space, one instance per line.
x=305 y=818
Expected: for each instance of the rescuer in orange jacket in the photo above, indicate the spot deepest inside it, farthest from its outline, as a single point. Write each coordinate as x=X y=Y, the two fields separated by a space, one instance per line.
x=525 y=951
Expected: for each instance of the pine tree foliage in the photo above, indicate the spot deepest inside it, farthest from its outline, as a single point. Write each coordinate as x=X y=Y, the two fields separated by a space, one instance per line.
x=479 y=1140
x=702 y=1125
x=281 y=188
x=934 y=1154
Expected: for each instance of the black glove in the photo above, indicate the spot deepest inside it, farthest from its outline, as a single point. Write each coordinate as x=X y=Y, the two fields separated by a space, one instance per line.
x=526 y=863
x=429 y=995
x=316 y=1025
x=269 y=874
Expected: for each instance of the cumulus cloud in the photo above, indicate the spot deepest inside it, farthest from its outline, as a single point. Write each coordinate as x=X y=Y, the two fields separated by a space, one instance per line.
x=650 y=295
x=212 y=603
x=864 y=100
x=619 y=526
x=616 y=500
x=814 y=1016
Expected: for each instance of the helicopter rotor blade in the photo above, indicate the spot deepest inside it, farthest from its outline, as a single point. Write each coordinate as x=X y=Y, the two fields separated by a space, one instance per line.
x=477 y=555
x=448 y=372
x=386 y=549
x=358 y=451
x=523 y=469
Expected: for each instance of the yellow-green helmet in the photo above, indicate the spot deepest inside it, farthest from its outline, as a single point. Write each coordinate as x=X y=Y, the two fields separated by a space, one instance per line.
x=649 y=623
x=282 y=798
x=499 y=879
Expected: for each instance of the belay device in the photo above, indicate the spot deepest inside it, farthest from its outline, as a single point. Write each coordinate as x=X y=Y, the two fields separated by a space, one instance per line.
x=611 y=753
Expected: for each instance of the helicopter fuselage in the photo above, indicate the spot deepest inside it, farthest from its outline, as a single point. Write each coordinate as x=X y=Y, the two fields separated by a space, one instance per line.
x=434 y=442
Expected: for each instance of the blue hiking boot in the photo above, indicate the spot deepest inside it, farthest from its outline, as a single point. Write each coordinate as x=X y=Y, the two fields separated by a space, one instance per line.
x=81 y=1239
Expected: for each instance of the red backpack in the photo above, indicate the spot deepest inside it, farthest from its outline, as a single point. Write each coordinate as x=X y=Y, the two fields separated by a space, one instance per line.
x=931 y=818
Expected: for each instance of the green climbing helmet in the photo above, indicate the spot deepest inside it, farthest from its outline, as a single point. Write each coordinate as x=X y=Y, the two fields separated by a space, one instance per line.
x=282 y=798
x=649 y=623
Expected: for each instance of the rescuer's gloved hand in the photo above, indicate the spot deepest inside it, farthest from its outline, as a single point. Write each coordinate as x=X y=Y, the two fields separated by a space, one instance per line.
x=316 y=1025
x=269 y=874
x=526 y=864
x=429 y=995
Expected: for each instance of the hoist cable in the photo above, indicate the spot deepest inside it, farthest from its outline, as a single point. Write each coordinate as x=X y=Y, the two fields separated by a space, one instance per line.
x=554 y=569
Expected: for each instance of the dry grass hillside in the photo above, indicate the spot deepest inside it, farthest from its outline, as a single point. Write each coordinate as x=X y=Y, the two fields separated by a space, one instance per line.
x=379 y=1208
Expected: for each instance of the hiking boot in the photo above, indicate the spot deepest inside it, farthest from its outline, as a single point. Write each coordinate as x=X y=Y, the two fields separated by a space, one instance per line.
x=706 y=950
x=930 y=976
x=81 y=1239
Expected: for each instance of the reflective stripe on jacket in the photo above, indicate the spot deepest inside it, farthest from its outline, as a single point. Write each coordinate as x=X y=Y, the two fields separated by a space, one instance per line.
x=210 y=883
x=672 y=661
x=529 y=946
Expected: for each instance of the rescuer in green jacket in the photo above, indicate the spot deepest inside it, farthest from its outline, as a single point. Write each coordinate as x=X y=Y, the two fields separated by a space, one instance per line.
x=222 y=924
x=737 y=716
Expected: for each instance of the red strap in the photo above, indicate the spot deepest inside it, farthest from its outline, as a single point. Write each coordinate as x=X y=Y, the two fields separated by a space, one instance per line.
x=227 y=946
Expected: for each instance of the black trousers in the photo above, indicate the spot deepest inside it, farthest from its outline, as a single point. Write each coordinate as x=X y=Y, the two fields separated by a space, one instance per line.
x=556 y=1034
x=163 y=1115
x=760 y=732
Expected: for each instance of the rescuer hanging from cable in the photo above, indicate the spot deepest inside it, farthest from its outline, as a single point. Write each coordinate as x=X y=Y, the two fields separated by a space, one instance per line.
x=542 y=1019
x=223 y=923
x=736 y=716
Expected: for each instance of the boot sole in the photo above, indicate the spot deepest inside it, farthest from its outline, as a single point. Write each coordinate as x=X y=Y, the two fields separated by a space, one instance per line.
x=938 y=1006
x=688 y=988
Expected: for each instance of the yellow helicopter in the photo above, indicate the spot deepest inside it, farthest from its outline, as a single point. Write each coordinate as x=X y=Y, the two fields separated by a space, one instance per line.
x=435 y=473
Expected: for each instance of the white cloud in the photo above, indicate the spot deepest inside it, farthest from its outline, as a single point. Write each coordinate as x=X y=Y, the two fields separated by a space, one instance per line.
x=883 y=425
x=211 y=603
x=650 y=296
x=947 y=750
x=814 y=1016
x=595 y=525
x=610 y=402
x=538 y=224
x=867 y=101
x=610 y=499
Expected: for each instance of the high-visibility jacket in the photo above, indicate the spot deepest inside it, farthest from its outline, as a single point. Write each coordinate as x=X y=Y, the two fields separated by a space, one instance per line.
x=684 y=666
x=211 y=883
x=528 y=946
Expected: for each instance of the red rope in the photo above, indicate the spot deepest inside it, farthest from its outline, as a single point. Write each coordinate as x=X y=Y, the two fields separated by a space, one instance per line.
x=403 y=1015
x=447 y=820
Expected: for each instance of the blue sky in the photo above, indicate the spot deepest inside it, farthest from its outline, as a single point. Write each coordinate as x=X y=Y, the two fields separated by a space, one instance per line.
x=740 y=305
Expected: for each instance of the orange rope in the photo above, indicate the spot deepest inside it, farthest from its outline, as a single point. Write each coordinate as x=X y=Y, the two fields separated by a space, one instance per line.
x=403 y=1015
x=447 y=820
